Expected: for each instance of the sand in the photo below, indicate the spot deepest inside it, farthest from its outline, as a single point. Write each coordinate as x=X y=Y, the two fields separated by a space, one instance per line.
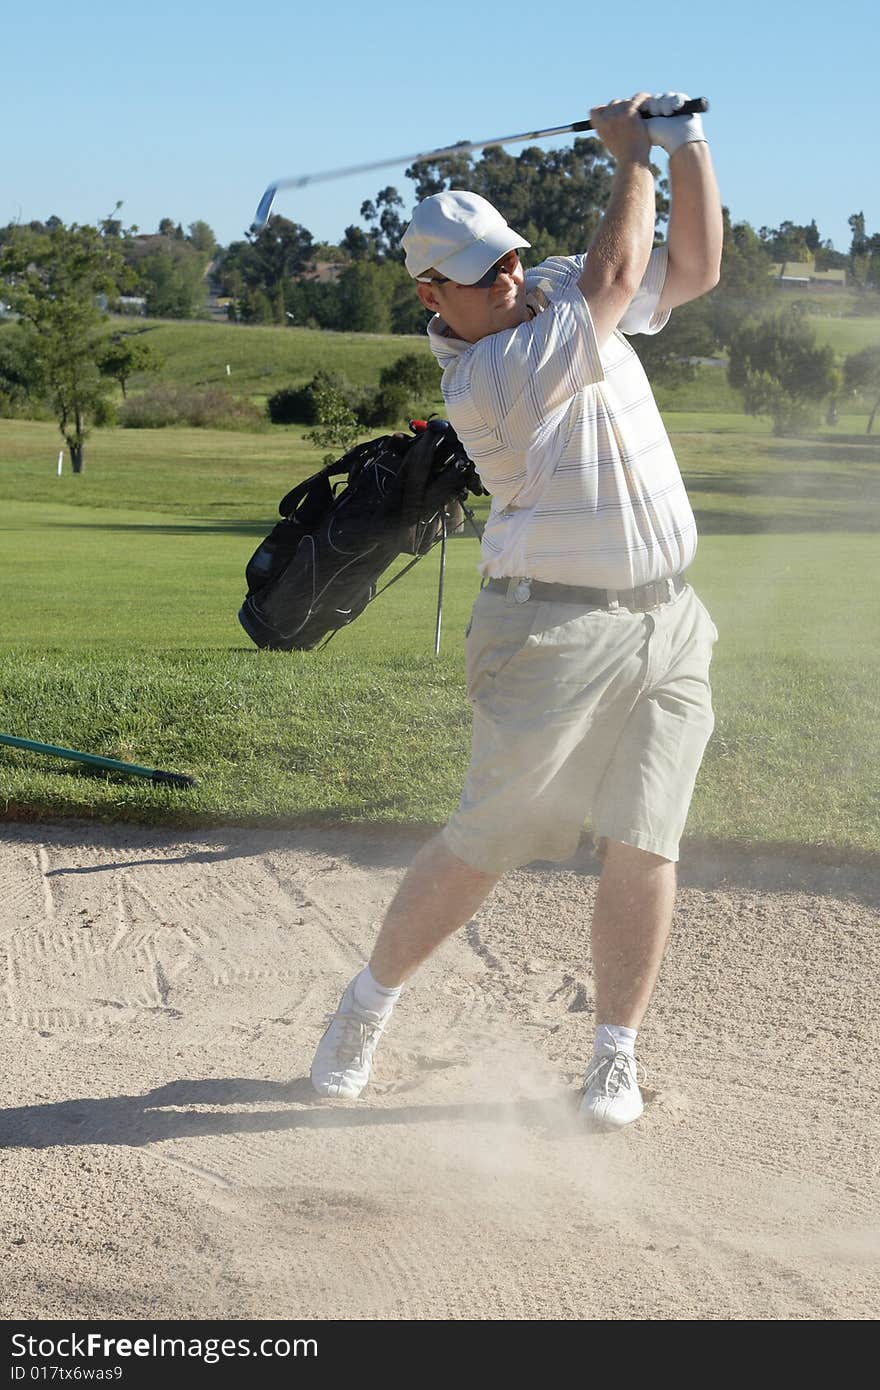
x=162 y=1155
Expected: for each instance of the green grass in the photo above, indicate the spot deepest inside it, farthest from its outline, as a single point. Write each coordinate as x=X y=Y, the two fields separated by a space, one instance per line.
x=193 y=472
x=216 y=477
x=262 y=360
x=846 y=335
x=707 y=393
x=271 y=736
x=118 y=635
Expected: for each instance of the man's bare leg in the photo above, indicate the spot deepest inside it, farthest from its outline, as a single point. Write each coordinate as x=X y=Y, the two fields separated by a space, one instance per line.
x=631 y=925
x=437 y=896
x=439 y=893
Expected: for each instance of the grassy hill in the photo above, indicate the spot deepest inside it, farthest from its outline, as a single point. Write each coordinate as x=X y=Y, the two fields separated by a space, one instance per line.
x=846 y=335
x=263 y=360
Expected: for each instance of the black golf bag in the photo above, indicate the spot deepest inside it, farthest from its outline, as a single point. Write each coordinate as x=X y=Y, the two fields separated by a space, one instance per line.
x=317 y=570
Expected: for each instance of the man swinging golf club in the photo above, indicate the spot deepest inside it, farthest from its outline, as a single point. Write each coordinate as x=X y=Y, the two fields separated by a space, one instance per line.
x=587 y=654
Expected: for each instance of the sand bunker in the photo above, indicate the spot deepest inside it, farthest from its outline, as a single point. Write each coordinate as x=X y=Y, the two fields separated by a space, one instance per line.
x=162 y=1154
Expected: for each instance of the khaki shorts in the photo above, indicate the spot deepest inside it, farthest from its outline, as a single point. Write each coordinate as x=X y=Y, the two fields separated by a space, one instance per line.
x=581 y=715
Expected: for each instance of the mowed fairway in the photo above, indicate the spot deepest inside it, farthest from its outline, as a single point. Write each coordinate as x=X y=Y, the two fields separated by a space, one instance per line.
x=119 y=636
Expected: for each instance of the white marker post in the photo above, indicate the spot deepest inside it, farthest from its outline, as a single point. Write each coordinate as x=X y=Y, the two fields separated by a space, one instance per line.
x=228 y=373
x=60 y=461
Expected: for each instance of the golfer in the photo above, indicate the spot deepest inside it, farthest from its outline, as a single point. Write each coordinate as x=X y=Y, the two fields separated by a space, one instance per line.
x=587 y=654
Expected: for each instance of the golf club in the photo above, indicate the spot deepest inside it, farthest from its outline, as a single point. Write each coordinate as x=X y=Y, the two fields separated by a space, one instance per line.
x=696 y=104
x=172 y=779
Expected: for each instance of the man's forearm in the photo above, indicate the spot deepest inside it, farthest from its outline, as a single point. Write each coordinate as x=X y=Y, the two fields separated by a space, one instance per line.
x=695 y=225
x=620 y=249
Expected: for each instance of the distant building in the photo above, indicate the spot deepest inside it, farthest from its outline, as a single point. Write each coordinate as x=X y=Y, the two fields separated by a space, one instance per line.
x=324 y=271
x=131 y=304
x=804 y=275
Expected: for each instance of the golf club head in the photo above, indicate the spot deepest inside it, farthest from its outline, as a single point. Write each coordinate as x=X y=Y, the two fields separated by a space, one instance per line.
x=261 y=216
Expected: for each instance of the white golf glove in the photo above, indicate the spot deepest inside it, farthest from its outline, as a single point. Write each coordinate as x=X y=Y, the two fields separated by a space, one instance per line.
x=671 y=132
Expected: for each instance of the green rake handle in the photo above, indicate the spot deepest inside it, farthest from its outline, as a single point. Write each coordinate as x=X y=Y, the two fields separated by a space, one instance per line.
x=153 y=774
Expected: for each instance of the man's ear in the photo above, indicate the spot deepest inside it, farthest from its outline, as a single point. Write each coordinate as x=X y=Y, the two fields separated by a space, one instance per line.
x=428 y=297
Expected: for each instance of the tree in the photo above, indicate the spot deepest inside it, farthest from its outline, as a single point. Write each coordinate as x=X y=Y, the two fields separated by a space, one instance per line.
x=53 y=281
x=363 y=298
x=355 y=243
x=434 y=175
x=21 y=374
x=282 y=250
x=408 y=313
x=829 y=259
x=314 y=303
x=171 y=276
x=383 y=239
x=745 y=289
x=111 y=226
x=561 y=194
x=790 y=242
x=337 y=425
x=689 y=333
x=122 y=355
x=861 y=372
x=255 y=306
x=857 y=227
x=864 y=253
x=704 y=326
x=780 y=371
x=203 y=239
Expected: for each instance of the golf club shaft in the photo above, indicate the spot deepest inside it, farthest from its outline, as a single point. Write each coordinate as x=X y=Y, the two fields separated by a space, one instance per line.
x=696 y=104
x=174 y=779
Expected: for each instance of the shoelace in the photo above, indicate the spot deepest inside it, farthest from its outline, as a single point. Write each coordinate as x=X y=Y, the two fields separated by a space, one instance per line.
x=356 y=1036
x=616 y=1069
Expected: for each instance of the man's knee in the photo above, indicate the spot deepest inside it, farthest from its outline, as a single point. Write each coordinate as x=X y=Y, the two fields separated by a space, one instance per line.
x=618 y=852
x=439 y=862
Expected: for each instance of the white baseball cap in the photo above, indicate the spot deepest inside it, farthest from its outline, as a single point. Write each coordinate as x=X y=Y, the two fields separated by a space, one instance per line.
x=460 y=234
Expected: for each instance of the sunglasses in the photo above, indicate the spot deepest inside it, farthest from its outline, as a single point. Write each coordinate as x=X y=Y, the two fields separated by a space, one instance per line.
x=506 y=263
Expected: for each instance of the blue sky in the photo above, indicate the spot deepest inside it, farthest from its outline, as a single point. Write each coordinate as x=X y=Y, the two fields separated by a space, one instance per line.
x=190 y=110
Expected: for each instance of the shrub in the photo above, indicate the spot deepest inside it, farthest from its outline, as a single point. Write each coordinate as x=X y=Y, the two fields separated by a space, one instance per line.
x=209 y=408
x=385 y=405
x=336 y=428
x=419 y=374
x=294 y=405
x=104 y=413
x=298 y=405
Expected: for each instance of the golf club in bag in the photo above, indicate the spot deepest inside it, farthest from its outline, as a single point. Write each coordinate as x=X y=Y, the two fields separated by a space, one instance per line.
x=318 y=568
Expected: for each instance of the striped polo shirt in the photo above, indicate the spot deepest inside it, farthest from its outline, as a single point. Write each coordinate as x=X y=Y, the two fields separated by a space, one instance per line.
x=568 y=439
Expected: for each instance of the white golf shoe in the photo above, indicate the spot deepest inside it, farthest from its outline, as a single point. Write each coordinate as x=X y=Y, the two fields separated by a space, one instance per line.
x=612 y=1097
x=344 y=1055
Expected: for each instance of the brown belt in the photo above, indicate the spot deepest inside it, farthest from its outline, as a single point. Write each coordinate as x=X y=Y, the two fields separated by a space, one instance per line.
x=640 y=600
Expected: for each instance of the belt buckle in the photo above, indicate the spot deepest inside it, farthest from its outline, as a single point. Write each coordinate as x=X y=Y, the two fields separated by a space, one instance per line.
x=658 y=593
x=665 y=591
x=520 y=590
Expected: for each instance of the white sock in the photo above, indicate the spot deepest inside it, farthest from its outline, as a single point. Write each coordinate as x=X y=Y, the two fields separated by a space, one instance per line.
x=611 y=1037
x=370 y=995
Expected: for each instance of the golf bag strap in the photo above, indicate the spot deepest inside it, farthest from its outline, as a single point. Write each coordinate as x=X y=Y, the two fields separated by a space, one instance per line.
x=289 y=503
